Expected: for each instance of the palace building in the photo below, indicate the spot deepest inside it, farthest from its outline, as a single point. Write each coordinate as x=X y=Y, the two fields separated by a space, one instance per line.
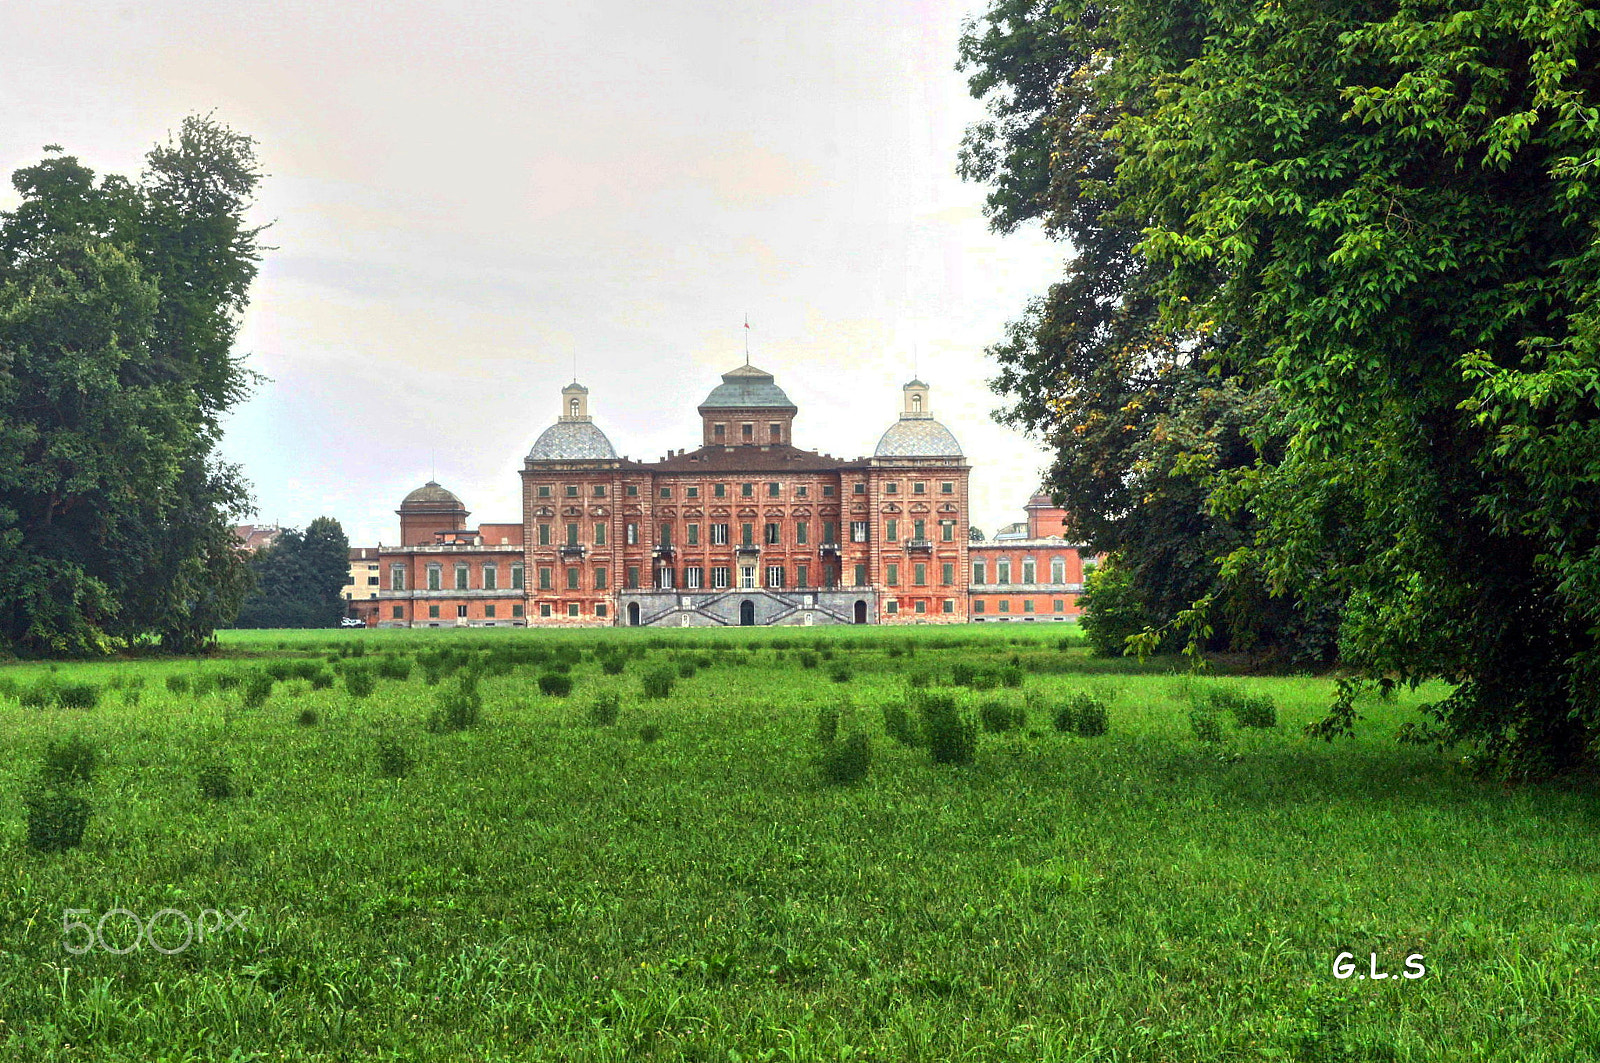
x=744 y=529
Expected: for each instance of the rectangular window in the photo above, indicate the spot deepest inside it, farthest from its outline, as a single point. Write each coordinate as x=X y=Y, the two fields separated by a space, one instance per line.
x=630 y=533
x=600 y=609
x=488 y=611
x=461 y=612
x=921 y=606
x=802 y=491
x=827 y=490
x=372 y=581
x=891 y=606
x=919 y=488
x=544 y=578
x=891 y=530
x=399 y=612
x=572 y=578
x=860 y=489
x=599 y=490
x=572 y=534
x=1028 y=570
x=747 y=576
x=600 y=577
x=435 y=578
x=665 y=578
x=977 y=605
x=461 y=578
x=397 y=577
x=599 y=534
x=772 y=534
x=1027 y=605
x=947 y=531
x=891 y=489
x=1058 y=570
x=748 y=431
x=632 y=578
x=949 y=605
x=858 y=531
x=893 y=573
x=544 y=608
x=747 y=490
x=516 y=611
x=978 y=572
x=719 y=535
x=433 y=612
x=775 y=432
x=518 y=580
x=544 y=490
x=746 y=531
x=719 y=577
x=666 y=492
x=861 y=575
x=919 y=530
x=919 y=574
x=802 y=576
x=1002 y=573
x=572 y=490
x=775 y=575
x=947 y=574
x=491 y=578
x=633 y=490
x=694 y=535
x=719 y=432
x=772 y=490
x=692 y=492
x=572 y=609
x=827 y=532
x=544 y=535
x=1005 y=605
x=692 y=577
x=719 y=490
x=801 y=533
x=666 y=536
x=1060 y=606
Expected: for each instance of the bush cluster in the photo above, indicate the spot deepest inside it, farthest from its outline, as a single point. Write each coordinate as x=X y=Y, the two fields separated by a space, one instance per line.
x=848 y=761
x=1083 y=714
x=999 y=716
x=951 y=736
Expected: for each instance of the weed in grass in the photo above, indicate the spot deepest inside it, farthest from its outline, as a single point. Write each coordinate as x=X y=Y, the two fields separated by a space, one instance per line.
x=686 y=669
x=1011 y=676
x=394 y=761
x=55 y=819
x=307 y=718
x=130 y=696
x=178 y=684
x=257 y=688
x=603 y=712
x=897 y=724
x=228 y=680
x=459 y=708
x=658 y=682
x=321 y=679
x=962 y=674
x=808 y=659
x=985 y=681
x=840 y=673
x=827 y=724
x=394 y=666
x=554 y=684
x=1247 y=710
x=204 y=684
x=613 y=665
x=78 y=695
x=649 y=733
x=1000 y=716
x=952 y=737
x=359 y=682
x=1205 y=725
x=68 y=763
x=215 y=781
x=847 y=762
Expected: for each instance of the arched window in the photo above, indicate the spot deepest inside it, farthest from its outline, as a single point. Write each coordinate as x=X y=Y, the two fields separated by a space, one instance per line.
x=574 y=407
x=916 y=404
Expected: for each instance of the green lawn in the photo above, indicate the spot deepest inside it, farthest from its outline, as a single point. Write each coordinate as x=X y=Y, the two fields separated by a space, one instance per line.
x=539 y=887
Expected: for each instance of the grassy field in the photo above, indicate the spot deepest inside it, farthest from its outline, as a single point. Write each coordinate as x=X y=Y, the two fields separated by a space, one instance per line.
x=539 y=885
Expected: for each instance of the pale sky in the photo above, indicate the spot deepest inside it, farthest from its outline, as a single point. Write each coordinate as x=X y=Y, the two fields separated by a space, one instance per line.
x=466 y=197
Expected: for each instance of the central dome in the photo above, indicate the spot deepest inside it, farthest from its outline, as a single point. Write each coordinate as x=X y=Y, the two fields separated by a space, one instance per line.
x=747 y=388
x=571 y=441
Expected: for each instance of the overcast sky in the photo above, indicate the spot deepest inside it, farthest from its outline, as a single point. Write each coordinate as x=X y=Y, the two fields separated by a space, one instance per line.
x=467 y=197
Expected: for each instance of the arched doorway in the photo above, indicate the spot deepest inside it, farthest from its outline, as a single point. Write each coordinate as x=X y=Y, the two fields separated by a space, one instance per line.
x=633 y=614
x=861 y=612
x=747 y=613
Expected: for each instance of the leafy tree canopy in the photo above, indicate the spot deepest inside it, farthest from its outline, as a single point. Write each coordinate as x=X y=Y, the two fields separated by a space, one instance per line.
x=299 y=578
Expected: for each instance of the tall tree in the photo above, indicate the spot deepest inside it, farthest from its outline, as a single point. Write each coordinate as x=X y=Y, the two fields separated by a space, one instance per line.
x=119 y=304
x=298 y=579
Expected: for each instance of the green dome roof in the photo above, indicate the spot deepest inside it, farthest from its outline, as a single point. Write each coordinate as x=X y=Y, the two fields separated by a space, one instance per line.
x=745 y=388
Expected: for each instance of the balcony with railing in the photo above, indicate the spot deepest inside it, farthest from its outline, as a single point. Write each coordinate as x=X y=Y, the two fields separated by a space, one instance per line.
x=572 y=551
x=924 y=546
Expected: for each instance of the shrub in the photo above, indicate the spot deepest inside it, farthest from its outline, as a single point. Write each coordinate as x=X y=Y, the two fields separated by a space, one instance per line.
x=896 y=651
x=998 y=716
x=216 y=781
x=321 y=680
x=56 y=819
x=68 y=763
x=961 y=675
x=257 y=688
x=919 y=679
x=1205 y=725
x=658 y=683
x=460 y=708
x=827 y=724
x=78 y=695
x=649 y=733
x=394 y=667
x=603 y=713
x=555 y=684
x=1247 y=710
x=846 y=762
x=394 y=760
x=985 y=681
x=952 y=738
x=840 y=673
x=307 y=718
x=897 y=724
x=359 y=682
x=178 y=684
x=613 y=665
x=1093 y=719
x=204 y=684
x=1011 y=676
x=686 y=669
x=808 y=659
x=130 y=697
x=228 y=680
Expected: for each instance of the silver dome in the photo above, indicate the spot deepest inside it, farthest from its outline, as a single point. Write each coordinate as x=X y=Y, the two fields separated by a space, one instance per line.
x=571 y=441
x=918 y=437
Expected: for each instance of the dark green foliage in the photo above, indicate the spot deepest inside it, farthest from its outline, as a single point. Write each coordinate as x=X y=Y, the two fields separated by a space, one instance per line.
x=951 y=736
x=394 y=761
x=215 y=781
x=257 y=688
x=554 y=684
x=119 y=302
x=321 y=679
x=1205 y=725
x=898 y=726
x=603 y=712
x=984 y=680
x=204 y=684
x=393 y=666
x=68 y=763
x=649 y=733
x=55 y=819
x=840 y=673
x=962 y=674
x=846 y=762
x=998 y=716
x=1247 y=710
x=613 y=665
x=686 y=669
x=1011 y=676
x=359 y=682
x=827 y=724
x=178 y=684
x=298 y=579
x=307 y=718
x=228 y=680
x=37 y=695
x=1082 y=713
x=459 y=708
x=807 y=659
x=77 y=695
x=658 y=682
